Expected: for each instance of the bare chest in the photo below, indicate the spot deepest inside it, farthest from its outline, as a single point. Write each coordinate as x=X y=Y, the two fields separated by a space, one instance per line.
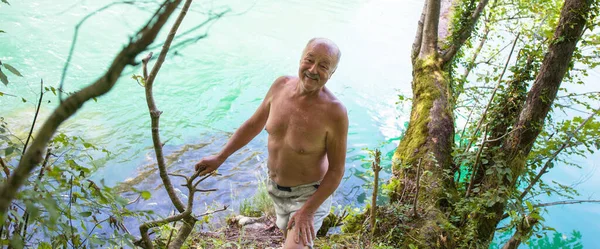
x=301 y=127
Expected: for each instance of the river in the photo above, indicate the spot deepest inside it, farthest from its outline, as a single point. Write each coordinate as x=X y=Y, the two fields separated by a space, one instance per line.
x=209 y=87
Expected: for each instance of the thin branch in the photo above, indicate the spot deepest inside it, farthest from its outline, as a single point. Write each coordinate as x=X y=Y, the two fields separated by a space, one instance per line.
x=212 y=212
x=35 y=189
x=376 y=168
x=70 y=215
x=489 y=104
x=554 y=155
x=476 y=164
x=501 y=137
x=155 y=113
x=578 y=94
x=205 y=190
x=33 y=155
x=37 y=111
x=472 y=63
x=214 y=17
x=567 y=202
x=92 y=230
x=74 y=41
x=417 y=193
x=147 y=242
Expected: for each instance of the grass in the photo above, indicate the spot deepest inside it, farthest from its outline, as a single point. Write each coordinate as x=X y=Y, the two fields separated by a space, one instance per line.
x=260 y=204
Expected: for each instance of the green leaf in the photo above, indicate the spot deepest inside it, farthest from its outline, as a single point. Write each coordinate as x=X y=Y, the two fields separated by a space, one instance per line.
x=1 y=94
x=146 y=195
x=6 y=2
x=2 y=31
x=8 y=151
x=87 y=145
x=3 y=78
x=23 y=99
x=86 y=214
x=12 y=69
x=529 y=206
x=44 y=245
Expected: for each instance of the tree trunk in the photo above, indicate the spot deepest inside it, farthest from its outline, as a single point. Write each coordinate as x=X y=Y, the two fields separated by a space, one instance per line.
x=429 y=138
x=518 y=144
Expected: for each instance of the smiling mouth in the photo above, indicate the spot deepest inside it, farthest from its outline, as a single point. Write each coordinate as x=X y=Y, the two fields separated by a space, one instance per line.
x=312 y=77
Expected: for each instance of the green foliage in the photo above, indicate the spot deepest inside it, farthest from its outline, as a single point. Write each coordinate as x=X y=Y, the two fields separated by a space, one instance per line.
x=65 y=205
x=260 y=204
x=10 y=68
x=62 y=205
x=558 y=241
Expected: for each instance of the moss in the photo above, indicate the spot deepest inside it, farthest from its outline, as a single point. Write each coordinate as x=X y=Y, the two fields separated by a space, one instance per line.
x=354 y=223
x=426 y=73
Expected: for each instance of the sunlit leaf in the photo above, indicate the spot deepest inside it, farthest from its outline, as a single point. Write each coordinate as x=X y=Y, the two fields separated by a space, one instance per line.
x=12 y=69
x=3 y=78
x=86 y=214
x=8 y=151
x=146 y=195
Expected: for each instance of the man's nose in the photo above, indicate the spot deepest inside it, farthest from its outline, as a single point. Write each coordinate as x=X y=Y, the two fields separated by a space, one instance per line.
x=313 y=69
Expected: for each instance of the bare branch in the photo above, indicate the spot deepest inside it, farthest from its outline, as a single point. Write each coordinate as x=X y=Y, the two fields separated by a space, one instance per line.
x=155 y=113
x=417 y=192
x=489 y=104
x=376 y=168
x=33 y=155
x=567 y=202
x=476 y=163
x=554 y=155
x=212 y=212
x=37 y=111
x=206 y=190
x=75 y=34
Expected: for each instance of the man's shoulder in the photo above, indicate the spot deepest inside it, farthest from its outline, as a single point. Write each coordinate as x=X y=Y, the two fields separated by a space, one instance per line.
x=283 y=80
x=335 y=107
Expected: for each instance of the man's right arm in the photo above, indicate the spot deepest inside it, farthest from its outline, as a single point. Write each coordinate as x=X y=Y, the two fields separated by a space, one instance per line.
x=245 y=133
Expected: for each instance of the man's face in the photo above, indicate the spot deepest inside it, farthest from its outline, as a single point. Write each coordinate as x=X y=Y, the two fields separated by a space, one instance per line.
x=317 y=64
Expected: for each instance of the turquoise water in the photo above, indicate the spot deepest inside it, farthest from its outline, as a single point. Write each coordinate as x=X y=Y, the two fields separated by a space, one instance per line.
x=207 y=89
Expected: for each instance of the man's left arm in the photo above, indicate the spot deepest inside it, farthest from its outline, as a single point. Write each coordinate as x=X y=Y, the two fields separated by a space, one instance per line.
x=336 y=154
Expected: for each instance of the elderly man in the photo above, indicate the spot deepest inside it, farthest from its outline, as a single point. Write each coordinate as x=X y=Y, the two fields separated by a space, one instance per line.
x=308 y=128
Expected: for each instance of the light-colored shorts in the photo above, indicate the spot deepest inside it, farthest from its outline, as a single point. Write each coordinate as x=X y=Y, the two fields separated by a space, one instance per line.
x=288 y=200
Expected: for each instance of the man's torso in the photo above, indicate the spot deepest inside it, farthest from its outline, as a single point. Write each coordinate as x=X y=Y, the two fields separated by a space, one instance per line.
x=298 y=130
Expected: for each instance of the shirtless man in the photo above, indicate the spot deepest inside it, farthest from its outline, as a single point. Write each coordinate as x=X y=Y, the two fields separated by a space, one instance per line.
x=308 y=128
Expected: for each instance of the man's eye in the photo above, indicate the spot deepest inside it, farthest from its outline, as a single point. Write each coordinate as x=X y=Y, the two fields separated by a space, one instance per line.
x=324 y=67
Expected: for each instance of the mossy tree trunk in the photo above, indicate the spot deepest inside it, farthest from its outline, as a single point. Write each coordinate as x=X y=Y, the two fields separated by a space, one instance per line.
x=425 y=152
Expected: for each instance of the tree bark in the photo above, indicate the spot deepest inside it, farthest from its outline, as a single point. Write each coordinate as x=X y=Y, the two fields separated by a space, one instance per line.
x=518 y=144
x=430 y=134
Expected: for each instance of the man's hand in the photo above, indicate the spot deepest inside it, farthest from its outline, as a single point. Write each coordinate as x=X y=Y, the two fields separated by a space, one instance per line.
x=209 y=164
x=302 y=221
